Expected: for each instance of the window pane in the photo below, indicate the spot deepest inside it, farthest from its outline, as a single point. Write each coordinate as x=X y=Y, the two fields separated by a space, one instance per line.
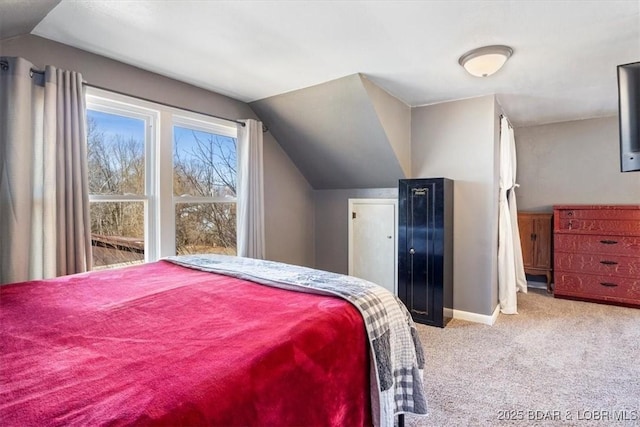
x=115 y=153
x=117 y=233
x=204 y=164
x=206 y=228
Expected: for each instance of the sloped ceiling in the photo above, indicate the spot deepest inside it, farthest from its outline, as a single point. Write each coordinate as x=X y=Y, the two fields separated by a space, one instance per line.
x=333 y=133
x=21 y=16
x=563 y=66
x=268 y=52
x=395 y=118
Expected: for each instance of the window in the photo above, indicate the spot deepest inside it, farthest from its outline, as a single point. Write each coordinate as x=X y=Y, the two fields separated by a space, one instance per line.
x=204 y=187
x=161 y=181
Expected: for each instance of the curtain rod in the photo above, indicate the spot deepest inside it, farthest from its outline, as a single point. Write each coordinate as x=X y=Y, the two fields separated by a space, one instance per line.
x=502 y=116
x=4 y=65
x=169 y=105
x=264 y=127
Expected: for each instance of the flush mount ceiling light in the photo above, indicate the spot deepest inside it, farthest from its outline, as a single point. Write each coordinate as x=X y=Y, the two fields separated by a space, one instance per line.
x=484 y=61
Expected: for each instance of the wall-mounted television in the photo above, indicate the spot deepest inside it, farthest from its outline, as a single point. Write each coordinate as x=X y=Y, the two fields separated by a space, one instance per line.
x=629 y=116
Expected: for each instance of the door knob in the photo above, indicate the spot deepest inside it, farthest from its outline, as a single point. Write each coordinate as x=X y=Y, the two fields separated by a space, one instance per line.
x=412 y=251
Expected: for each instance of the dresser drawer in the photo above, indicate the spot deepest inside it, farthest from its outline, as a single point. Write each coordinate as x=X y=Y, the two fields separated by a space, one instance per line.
x=607 y=214
x=597 y=287
x=597 y=252
x=606 y=226
x=604 y=265
x=597 y=244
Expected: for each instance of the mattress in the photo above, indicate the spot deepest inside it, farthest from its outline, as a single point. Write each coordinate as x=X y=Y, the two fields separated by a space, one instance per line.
x=161 y=344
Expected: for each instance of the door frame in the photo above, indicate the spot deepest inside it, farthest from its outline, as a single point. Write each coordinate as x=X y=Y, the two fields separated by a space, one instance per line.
x=393 y=202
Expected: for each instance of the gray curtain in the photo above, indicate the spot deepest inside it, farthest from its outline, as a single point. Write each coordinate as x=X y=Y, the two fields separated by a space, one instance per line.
x=250 y=220
x=44 y=198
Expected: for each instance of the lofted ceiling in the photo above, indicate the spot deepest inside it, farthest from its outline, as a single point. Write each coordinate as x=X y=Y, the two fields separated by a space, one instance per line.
x=18 y=17
x=335 y=80
x=336 y=136
x=563 y=66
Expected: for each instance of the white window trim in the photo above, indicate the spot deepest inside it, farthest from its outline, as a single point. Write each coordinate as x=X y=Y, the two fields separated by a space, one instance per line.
x=194 y=122
x=159 y=201
x=102 y=101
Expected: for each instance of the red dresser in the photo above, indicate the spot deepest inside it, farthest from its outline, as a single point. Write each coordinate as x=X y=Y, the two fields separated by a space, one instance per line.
x=597 y=253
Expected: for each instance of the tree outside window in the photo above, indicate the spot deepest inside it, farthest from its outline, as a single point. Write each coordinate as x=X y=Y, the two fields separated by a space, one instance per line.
x=125 y=198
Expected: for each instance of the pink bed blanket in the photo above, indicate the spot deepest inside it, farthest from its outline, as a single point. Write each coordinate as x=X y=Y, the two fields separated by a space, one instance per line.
x=160 y=344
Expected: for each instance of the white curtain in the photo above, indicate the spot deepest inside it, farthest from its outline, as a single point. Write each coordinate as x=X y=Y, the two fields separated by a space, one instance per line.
x=44 y=202
x=250 y=191
x=511 y=276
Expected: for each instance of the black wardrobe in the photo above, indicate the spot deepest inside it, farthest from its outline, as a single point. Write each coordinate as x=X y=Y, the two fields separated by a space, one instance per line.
x=425 y=249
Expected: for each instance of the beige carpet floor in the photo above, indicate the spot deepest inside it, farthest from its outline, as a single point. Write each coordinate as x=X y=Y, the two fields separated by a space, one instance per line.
x=557 y=362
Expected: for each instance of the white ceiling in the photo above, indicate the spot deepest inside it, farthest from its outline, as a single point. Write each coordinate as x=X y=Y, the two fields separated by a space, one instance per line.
x=563 y=66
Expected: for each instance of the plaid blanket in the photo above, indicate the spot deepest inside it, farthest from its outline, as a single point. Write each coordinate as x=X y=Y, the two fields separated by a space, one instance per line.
x=397 y=355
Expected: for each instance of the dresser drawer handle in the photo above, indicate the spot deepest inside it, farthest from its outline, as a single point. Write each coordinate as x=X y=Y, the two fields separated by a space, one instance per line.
x=608 y=262
x=608 y=242
x=608 y=284
x=570 y=213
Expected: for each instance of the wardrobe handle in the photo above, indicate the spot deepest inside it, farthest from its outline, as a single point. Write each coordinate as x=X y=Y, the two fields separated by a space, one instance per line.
x=608 y=262
x=608 y=242
x=608 y=284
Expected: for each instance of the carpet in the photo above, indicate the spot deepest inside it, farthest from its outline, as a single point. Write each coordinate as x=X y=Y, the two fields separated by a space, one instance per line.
x=557 y=362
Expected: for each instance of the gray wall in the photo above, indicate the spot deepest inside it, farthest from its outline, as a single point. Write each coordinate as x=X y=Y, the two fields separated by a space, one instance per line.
x=333 y=133
x=332 y=224
x=289 y=210
x=576 y=162
x=289 y=236
x=570 y=162
x=395 y=118
x=457 y=140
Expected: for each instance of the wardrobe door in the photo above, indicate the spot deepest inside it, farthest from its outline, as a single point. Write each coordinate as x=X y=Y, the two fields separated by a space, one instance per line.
x=425 y=248
x=417 y=249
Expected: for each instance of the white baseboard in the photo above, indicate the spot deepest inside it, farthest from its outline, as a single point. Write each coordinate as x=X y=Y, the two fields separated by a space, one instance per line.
x=473 y=317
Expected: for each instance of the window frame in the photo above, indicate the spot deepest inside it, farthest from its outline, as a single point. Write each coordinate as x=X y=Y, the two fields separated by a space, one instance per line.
x=159 y=199
x=193 y=122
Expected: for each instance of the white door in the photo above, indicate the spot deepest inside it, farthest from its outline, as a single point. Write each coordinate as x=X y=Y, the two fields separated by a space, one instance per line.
x=372 y=241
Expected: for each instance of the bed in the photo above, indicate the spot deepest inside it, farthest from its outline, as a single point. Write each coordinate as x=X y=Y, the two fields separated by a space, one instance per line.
x=203 y=341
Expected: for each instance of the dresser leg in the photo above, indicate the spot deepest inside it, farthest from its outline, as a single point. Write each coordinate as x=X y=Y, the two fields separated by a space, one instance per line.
x=549 y=277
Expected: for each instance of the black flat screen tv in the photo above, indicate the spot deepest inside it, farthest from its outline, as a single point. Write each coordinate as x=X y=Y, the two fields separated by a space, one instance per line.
x=629 y=116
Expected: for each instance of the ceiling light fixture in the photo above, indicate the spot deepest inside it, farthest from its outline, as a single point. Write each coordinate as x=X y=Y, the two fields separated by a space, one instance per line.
x=484 y=61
